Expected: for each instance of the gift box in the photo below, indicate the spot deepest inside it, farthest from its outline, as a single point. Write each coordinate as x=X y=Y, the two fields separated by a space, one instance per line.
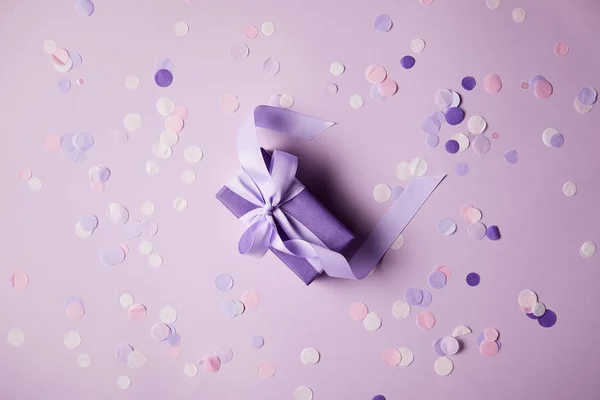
x=309 y=211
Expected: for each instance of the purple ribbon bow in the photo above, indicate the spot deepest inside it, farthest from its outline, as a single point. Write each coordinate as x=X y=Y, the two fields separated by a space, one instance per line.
x=269 y=187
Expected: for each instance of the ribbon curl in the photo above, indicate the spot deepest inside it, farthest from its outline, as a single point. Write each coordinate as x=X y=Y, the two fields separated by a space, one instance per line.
x=269 y=187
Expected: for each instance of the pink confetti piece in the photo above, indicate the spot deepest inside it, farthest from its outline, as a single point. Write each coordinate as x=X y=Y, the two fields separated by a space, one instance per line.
x=210 y=363
x=75 y=311
x=19 y=280
x=488 y=348
x=358 y=311
x=492 y=83
x=561 y=49
x=391 y=357
x=24 y=174
x=97 y=186
x=174 y=123
x=137 y=312
x=266 y=370
x=445 y=270
x=251 y=299
x=251 y=32
x=181 y=112
x=388 y=87
x=375 y=73
x=425 y=320
x=229 y=104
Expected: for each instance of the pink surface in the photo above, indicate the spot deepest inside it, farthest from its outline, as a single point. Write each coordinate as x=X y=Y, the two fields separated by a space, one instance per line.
x=541 y=228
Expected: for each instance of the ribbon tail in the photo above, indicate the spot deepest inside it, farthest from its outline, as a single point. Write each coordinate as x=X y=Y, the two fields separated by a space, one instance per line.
x=256 y=239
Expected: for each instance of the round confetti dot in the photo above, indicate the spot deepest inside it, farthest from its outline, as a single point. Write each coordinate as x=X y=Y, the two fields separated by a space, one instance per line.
x=15 y=337
x=72 y=340
x=267 y=28
x=446 y=226
x=491 y=334
x=270 y=67
x=587 y=249
x=34 y=184
x=181 y=112
x=126 y=300
x=398 y=243
x=163 y=78
x=145 y=247
x=454 y=115
x=193 y=154
x=407 y=356
x=527 y=298
x=358 y=311
x=468 y=83
x=425 y=320
x=511 y=157
x=569 y=189
x=492 y=232
x=432 y=140
x=443 y=98
x=84 y=8
x=181 y=28
x=167 y=314
x=286 y=100
x=336 y=68
x=224 y=282
x=19 y=280
x=251 y=299
x=391 y=357
x=413 y=296
x=188 y=176
x=123 y=382
x=493 y=4
x=488 y=348
x=427 y=299
x=492 y=83
x=481 y=145
x=547 y=320
x=476 y=124
x=375 y=74
x=382 y=23
x=136 y=359
x=557 y=140
x=132 y=82
x=425 y=2
x=417 y=45
x=403 y=171
x=542 y=89
x=122 y=352
x=330 y=89
x=372 y=321
x=224 y=353
x=50 y=46
x=449 y=345
x=418 y=166
x=257 y=341
x=356 y=101
x=430 y=125
x=382 y=193
x=388 y=87
x=75 y=311
x=400 y=309
x=229 y=104
x=495 y=135
x=443 y=366
x=303 y=393
x=64 y=85
x=587 y=96
x=538 y=309
x=165 y=106
x=52 y=143
x=310 y=356
x=251 y=32
x=476 y=231
x=461 y=169
x=547 y=136
x=190 y=370
x=437 y=279
x=239 y=51
x=452 y=146
x=407 y=62
x=121 y=137
x=132 y=122
x=84 y=360
x=519 y=15
x=173 y=352
x=266 y=370
x=137 y=312
x=180 y=204
x=473 y=279
x=561 y=49
x=524 y=85
x=445 y=270
x=437 y=348
x=147 y=208
x=375 y=95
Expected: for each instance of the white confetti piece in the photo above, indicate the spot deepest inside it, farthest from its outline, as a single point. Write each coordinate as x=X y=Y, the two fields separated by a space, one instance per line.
x=382 y=193
x=418 y=166
x=147 y=208
x=167 y=314
x=268 y=28
x=132 y=82
x=461 y=330
x=132 y=122
x=180 y=204
x=303 y=393
x=155 y=260
x=190 y=370
x=587 y=249
x=417 y=45
x=165 y=106
x=400 y=309
x=126 y=300
x=407 y=356
x=286 y=100
x=310 y=356
x=403 y=171
x=357 y=101
x=337 y=68
x=123 y=382
x=152 y=167
x=145 y=247
x=398 y=243
x=192 y=154
x=188 y=176
x=136 y=359
x=476 y=124
x=84 y=360
x=519 y=15
x=372 y=321
x=569 y=189
x=34 y=183
x=15 y=337
x=72 y=340
x=443 y=366
x=181 y=29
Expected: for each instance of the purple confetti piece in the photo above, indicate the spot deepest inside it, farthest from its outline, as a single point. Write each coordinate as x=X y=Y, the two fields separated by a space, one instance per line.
x=452 y=146
x=499 y=344
x=461 y=169
x=239 y=51
x=468 y=83
x=229 y=308
x=149 y=227
x=88 y=222
x=66 y=141
x=84 y=8
x=122 y=352
x=535 y=79
x=557 y=140
x=224 y=282
x=375 y=93
x=443 y=98
x=476 y=231
x=473 y=279
x=132 y=228
x=64 y=85
x=224 y=353
x=270 y=67
x=83 y=141
x=379 y=397
x=77 y=59
x=113 y=256
x=480 y=339
x=548 y=319
x=413 y=296
x=257 y=341
x=100 y=174
x=75 y=299
x=163 y=78
x=407 y=62
x=437 y=279
x=383 y=23
x=77 y=155
x=511 y=157
x=330 y=88
x=430 y=125
x=481 y=145
x=432 y=140
x=439 y=116
x=454 y=115
x=427 y=299
x=437 y=347
x=174 y=339
x=492 y=232
x=446 y=226
x=532 y=316
x=587 y=96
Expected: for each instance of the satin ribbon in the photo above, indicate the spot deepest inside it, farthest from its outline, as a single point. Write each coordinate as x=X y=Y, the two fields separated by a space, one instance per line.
x=269 y=187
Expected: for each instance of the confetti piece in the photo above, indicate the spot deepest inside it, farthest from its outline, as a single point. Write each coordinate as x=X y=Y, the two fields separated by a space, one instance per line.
x=190 y=370
x=193 y=154
x=181 y=29
x=132 y=122
x=268 y=28
x=382 y=23
x=473 y=279
x=224 y=282
x=224 y=353
x=527 y=298
x=449 y=345
x=492 y=232
x=538 y=309
x=84 y=8
x=266 y=370
x=15 y=337
x=382 y=193
x=493 y=4
x=34 y=184
x=132 y=82
x=160 y=332
x=468 y=83
x=356 y=101
x=437 y=279
x=492 y=83
x=84 y=360
x=481 y=145
x=310 y=356
x=173 y=352
x=413 y=296
x=443 y=366
x=407 y=62
x=461 y=330
x=427 y=299
x=257 y=341
x=454 y=116
x=270 y=67
x=180 y=204
x=163 y=78
x=122 y=352
x=358 y=311
x=446 y=226
x=519 y=15
x=587 y=249
x=126 y=300
x=488 y=348
x=286 y=101
x=417 y=45
x=561 y=49
x=542 y=89
x=72 y=340
x=476 y=231
x=391 y=357
x=445 y=270
x=432 y=140
x=75 y=311
x=407 y=356
x=136 y=359
x=19 y=280
x=461 y=169
x=418 y=167
x=251 y=32
x=491 y=334
x=477 y=124
x=398 y=243
x=123 y=382
x=569 y=189
x=330 y=89
x=303 y=393
x=372 y=321
x=375 y=74
x=462 y=140
x=425 y=320
x=511 y=157
x=547 y=320
x=251 y=299
x=137 y=312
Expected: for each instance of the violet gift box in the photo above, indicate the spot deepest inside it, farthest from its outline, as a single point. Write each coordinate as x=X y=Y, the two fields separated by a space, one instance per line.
x=310 y=212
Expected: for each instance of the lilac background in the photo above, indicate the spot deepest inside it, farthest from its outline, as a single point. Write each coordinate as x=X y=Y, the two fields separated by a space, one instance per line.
x=542 y=229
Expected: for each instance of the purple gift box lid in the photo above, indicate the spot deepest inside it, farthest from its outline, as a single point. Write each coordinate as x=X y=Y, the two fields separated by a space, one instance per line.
x=307 y=209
